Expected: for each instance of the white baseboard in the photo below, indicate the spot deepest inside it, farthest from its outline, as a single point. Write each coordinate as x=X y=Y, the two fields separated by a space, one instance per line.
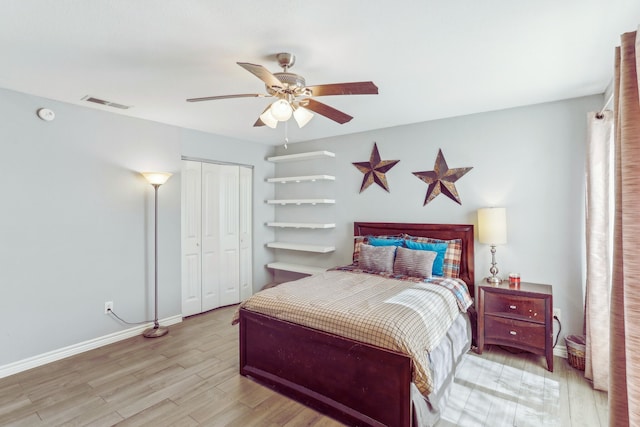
x=52 y=356
x=560 y=351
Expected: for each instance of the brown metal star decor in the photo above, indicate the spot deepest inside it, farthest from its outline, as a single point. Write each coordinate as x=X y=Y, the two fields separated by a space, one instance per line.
x=441 y=180
x=374 y=170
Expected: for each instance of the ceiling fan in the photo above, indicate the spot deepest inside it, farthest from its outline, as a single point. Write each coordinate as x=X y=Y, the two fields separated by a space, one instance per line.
x=294 y=97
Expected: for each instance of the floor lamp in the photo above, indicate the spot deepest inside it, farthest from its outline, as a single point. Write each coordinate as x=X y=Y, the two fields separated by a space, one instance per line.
x=156 y=179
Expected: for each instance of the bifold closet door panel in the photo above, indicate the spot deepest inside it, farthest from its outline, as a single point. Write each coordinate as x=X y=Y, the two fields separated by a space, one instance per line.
x=229 y=235
x=246 y=242
x=211 y=254
x=191 y=238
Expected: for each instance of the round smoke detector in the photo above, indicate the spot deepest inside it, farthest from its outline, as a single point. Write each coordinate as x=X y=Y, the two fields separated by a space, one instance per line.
x=46 y=114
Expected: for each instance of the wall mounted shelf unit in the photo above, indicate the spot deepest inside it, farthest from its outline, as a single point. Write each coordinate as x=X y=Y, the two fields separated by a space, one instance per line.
x=313 y=177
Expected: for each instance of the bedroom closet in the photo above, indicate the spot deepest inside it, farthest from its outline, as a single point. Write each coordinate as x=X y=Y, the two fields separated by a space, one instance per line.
x=216 y=235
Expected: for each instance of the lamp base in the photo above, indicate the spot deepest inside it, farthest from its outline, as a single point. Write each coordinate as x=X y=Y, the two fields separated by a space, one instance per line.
x=494 y=280
x=155 y=332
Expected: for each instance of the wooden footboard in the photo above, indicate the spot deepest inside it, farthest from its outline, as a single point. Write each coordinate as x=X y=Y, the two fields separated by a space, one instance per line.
x=356 y=383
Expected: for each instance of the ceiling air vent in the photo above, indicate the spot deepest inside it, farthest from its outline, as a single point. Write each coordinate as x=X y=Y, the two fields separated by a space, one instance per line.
x=90 y=98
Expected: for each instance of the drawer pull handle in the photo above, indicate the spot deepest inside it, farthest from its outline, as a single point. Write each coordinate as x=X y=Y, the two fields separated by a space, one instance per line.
x=513 y=332
x=512 y=307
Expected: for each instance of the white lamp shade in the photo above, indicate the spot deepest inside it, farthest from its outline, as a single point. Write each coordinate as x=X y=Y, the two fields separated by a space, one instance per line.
x=492 y=226
x=302 y=116
x=281 y=110
x=156 y=178
x=268 y=119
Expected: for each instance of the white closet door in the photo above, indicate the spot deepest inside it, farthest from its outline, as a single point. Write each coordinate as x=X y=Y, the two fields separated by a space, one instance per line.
x=246 y=263
x=211 y=262
x=216 y=236
x=229 y=235
x=191 y=238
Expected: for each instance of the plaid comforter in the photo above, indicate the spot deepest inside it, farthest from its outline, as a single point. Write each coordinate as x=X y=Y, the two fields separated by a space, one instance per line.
x=457 y=287
x=401 y=315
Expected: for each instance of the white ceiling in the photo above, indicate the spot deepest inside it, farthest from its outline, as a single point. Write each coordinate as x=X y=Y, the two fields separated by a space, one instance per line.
x=430 y=59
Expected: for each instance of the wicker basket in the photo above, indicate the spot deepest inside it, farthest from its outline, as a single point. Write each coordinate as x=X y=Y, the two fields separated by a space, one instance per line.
x=575 y=350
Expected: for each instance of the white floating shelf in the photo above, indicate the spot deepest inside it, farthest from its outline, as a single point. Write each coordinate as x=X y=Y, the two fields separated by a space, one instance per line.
x=299 y=225
x=301 y=247
x=312 y=178
x=296 y=268
x=301 y=202
x=301 y=156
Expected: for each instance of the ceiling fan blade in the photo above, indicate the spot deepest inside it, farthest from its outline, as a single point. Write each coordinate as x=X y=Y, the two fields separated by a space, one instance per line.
x=213 y=98
x=325 y=110
x=355 y=88
x=262 y=73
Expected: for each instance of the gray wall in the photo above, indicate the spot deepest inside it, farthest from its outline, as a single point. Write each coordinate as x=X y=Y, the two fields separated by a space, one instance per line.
x=529 y=160
x=76 y=224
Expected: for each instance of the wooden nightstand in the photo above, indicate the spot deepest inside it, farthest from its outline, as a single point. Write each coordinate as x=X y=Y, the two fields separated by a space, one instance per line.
x=520 y=317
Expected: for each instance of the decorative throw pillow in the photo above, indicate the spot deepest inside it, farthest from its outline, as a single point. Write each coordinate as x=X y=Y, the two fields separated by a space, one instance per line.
x=385 y=241
x=414 y=263
x=439 y=248
x=359 y=240
x=452 y=257
x=377 y=258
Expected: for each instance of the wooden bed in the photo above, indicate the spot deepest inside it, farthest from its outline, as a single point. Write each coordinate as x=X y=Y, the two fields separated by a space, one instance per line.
x=356 y=383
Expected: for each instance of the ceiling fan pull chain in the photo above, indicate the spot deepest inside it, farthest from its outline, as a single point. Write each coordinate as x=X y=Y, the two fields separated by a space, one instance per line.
x=286 y=134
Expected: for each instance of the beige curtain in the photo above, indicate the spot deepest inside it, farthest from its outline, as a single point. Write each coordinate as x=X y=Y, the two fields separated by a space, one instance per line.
x=624 y=381
x=599 y=240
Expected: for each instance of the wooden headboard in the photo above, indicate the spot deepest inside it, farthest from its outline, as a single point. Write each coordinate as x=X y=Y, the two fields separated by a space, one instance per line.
x=437 y=231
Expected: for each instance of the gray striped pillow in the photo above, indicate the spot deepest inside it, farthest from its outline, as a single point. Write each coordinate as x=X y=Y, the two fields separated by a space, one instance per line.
x=414 y=263
x=377 y=258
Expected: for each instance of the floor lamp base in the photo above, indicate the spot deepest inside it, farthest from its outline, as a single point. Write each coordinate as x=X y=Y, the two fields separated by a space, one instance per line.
x=154 y=332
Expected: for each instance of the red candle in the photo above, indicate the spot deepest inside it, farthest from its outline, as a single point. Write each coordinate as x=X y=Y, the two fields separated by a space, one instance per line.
x=514 y=279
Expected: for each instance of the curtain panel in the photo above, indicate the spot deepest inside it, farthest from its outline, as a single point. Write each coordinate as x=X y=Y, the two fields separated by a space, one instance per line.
x=624 y=381
x=599 y=248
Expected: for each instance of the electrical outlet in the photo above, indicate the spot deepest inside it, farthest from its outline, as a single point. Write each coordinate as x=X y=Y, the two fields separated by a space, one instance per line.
x=556 y=313
x=108 y=306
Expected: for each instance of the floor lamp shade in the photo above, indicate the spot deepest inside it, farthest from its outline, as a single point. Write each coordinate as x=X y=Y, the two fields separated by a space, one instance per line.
x=492 y=230
x=156 y=179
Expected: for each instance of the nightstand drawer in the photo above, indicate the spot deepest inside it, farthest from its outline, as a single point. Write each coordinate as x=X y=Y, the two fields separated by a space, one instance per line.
x=499 y=329
x=515 y=306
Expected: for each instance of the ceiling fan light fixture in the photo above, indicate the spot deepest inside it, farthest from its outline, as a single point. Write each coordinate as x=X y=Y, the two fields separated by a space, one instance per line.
x=290 y=92
x=281 y=110
x=302 y=116
x=268 y=119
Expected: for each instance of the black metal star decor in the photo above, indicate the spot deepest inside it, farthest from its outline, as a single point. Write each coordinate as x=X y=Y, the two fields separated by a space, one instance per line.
x=441 y=180
x=374 y=170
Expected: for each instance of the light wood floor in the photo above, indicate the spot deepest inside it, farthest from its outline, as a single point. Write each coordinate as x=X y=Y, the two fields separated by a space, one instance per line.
x=190 y=378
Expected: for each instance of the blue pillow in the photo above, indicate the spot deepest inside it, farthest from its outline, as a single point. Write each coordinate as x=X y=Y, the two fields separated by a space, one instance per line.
x=439 y=248
x=376 y=241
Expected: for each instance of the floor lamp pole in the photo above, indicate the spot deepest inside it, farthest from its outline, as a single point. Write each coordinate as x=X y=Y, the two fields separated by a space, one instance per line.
x=157 y=330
